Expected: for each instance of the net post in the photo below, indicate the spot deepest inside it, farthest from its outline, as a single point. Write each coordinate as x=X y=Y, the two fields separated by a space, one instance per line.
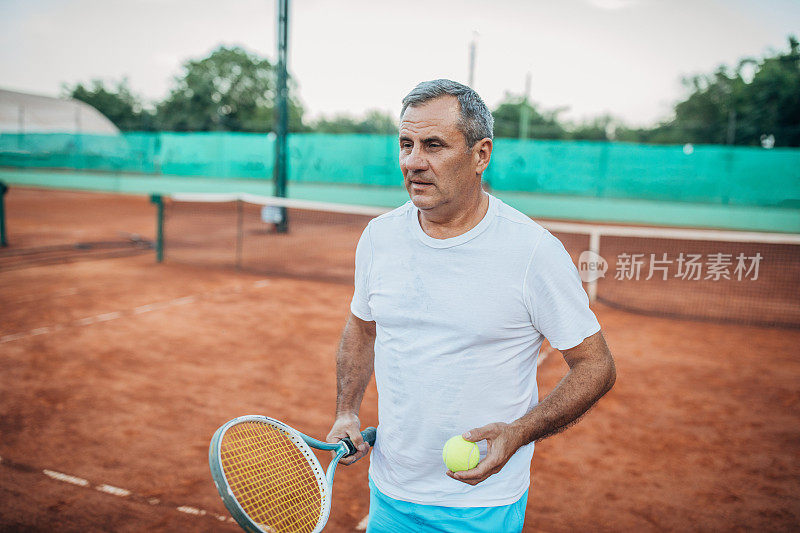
x=282 y=111
x=239 y=233
x=3 y=190
x=594 y=246
x=158 y=200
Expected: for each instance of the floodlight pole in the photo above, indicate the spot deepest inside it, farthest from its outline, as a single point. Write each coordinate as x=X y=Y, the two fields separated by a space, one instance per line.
x=282 y=111
x=524 y=112
x=472 y=46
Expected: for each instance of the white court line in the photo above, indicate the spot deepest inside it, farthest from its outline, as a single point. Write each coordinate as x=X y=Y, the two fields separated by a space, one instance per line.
x=66 y=478
x=115 y=491
x=125 y=493
x=105 y=317
x=143 y=309
x=114 y=315
x=201 y=512
x=12 y=337
x=191 y=510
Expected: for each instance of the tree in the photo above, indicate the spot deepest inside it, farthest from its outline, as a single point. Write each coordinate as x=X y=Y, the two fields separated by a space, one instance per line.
x=117 y=103
x=661 y=134
x=726 y=108
x=374 y=122
x=230 y=90
x=541 y=125
x=602 y=128
x=770 y=104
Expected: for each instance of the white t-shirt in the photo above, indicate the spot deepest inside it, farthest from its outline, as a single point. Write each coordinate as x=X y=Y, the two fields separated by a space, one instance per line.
x=459 y=325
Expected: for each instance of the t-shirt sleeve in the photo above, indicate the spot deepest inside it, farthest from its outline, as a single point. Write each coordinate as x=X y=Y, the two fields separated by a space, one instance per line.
x=359 y=306
x=558 y=305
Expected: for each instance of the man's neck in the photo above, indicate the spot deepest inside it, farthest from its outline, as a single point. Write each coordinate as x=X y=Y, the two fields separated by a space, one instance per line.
x=452 y=224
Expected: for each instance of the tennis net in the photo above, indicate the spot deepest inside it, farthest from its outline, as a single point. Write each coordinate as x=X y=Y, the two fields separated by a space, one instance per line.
x=242 y=231
x=741 y=277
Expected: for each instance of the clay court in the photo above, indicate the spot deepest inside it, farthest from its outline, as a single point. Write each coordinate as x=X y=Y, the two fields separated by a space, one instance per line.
x=116 y=370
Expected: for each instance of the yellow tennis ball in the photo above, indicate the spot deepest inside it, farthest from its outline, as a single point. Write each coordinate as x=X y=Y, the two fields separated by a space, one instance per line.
x=460 y=454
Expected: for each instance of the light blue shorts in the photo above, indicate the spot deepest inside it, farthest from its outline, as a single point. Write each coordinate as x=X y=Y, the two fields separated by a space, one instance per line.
x=387 y=515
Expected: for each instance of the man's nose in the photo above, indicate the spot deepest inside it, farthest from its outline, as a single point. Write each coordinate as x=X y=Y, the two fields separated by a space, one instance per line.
x=415 y=161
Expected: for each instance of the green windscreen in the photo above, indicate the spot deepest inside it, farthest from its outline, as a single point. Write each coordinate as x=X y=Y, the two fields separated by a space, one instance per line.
x=707 y=174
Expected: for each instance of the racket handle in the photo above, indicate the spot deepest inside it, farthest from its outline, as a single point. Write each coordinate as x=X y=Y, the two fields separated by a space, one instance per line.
x=369 y=437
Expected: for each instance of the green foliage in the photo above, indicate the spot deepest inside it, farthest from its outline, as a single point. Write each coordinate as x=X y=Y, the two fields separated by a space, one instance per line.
x=374 y=122
x=661 y=134
x=117 y=103
x=234 y=90
x=230 y=90
x=727 y=107
x=756 y=101
x=601 y=128
x=541 y=125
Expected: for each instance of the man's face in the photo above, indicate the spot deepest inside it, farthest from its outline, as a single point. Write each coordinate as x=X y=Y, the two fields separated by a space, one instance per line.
x=438 y=167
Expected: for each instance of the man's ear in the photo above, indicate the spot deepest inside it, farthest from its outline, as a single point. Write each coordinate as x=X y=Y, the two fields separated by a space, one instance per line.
x=482 y=152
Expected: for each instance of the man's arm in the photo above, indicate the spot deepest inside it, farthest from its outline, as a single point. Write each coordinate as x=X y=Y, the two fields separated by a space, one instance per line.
x=591 y=374
x=354 y=365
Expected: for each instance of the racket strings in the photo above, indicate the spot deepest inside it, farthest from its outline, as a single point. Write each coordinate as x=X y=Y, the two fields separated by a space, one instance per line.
x=271 y=477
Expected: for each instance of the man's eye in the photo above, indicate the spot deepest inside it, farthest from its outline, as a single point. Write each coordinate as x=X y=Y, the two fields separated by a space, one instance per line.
x=405 y=146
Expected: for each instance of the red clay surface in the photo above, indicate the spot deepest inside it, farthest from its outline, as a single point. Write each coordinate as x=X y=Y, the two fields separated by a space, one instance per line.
x=701 y=431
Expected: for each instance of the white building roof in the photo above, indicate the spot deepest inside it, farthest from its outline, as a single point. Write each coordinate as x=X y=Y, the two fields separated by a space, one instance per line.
x=31 y=113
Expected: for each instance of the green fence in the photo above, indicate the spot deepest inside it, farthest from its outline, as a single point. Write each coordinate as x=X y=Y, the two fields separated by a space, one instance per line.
x=706 y=174
x=715 y=175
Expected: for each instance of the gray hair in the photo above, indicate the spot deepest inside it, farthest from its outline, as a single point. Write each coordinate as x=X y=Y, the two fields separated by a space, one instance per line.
x=476 y=121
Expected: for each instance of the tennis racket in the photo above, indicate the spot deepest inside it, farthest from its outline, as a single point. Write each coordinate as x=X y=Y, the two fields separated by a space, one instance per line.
x=269 y=478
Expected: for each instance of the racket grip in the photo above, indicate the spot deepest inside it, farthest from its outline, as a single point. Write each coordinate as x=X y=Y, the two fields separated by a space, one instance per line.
x=369 y=437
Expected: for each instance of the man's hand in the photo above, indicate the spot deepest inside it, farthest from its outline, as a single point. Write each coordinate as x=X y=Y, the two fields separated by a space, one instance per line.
x=591 y=374
x=349 y=426
x=502 y=441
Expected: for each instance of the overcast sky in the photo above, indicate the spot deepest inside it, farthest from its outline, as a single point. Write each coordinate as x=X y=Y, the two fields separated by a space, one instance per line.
x=625 y=57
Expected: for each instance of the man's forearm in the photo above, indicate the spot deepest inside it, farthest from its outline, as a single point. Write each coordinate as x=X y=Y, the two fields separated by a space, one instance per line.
x=354 y=365
x=586 y=382
x=591 y=374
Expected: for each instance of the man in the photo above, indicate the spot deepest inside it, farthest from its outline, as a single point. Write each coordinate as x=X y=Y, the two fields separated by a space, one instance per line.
x=454 y=293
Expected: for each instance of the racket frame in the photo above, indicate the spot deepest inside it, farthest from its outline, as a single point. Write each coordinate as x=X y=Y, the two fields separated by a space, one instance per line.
x=303 y=443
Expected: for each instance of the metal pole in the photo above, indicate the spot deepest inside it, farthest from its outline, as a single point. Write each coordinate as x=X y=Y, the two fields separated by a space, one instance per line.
x=21 y=127
x=730 y=137
x=159 y=201
x=282 y=111
x=472 y=46
x=3 y=190
x=239 y=234
x=594 y=246
x=524 y=112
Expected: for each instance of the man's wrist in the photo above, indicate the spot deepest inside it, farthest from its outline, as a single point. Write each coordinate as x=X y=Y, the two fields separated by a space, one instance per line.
x=523 y=430
x=343 y=414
